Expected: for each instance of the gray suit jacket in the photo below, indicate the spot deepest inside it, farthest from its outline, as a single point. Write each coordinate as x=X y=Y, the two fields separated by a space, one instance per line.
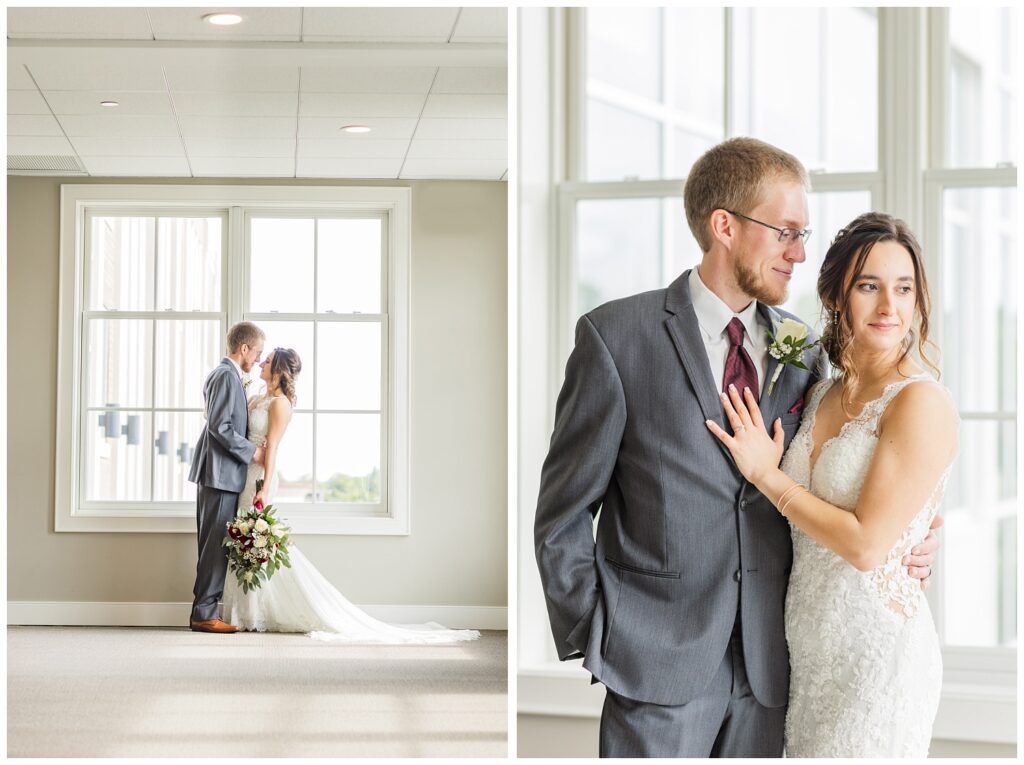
x=223 y=452
x=683 y=541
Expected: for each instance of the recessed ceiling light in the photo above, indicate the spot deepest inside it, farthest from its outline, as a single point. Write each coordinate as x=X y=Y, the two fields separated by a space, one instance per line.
x=109 y=103
x=356 y=129
x=223 y=19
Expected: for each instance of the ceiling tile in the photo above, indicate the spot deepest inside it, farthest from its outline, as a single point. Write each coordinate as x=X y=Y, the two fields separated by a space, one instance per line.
x=361 y=104
x=78 y=23
x=367 y=79
x=32 y=124
x=128 y=147
x=243 y=166
x=229 y=79
x=340 y=147
x=26 y=102
x=391 y=128
x=458 y=129
x=420 y=149
x=196 y=126
x=485 y=169
x=237 y=104
x=101 y=72
x=379 y=24
x=18 y=79
x=119 y=125
x=481 y=25
x=139 y=167
x=38 y=145
x=240 y=147
x=471 y=79
x=320 y=167
x=88 y=102
x=476 y=105
x=270 y=24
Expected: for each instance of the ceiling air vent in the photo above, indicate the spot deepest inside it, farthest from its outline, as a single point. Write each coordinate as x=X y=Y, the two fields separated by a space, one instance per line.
x=44 y=164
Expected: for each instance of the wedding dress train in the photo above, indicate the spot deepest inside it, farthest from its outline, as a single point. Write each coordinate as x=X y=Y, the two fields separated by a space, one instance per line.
x=300 y=599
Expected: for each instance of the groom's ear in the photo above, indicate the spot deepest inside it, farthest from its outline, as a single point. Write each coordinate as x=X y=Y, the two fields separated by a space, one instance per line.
x=720 y=224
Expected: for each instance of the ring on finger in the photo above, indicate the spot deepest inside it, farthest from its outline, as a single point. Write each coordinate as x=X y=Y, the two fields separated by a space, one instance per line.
x=738 y=428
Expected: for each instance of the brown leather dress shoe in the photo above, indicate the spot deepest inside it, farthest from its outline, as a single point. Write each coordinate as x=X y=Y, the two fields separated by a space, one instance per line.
x=212 y=625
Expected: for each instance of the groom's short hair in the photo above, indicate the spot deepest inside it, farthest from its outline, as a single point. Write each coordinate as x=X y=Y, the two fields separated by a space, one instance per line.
x=732 y=176
x=244 y=333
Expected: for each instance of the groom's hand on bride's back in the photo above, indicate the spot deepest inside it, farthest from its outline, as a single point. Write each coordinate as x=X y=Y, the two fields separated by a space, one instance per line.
x=257 y=456
x=921 y=560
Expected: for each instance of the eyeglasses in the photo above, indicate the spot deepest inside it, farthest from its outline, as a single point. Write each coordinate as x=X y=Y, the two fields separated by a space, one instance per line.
x=786 y=235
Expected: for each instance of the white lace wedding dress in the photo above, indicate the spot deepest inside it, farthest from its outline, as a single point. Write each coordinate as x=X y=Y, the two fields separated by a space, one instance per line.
x=300 y=599
x=865 y=667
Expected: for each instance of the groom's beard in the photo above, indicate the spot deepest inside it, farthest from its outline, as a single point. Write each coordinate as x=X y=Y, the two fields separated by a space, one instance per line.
x=752 y=284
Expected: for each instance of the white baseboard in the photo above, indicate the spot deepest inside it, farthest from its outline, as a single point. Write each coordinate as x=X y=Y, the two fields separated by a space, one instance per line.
x=85 y=614
x=966 y=712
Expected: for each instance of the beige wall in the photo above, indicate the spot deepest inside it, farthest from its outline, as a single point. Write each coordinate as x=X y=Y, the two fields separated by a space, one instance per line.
x=456 y=554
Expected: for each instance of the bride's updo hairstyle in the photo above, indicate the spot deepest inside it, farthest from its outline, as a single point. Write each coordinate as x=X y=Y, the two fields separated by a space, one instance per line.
x=844 y=261
x=286 y=367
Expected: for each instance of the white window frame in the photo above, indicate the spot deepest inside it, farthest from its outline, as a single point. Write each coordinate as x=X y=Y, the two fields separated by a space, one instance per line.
x=979 y=684
x=393 y=515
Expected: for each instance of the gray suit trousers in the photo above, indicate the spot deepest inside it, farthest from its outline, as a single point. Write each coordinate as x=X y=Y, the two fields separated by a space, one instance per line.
x=725 y=720
x=214 y=509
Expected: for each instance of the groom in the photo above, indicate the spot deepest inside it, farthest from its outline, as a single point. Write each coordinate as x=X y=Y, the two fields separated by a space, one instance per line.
x=219 y=467
x=678 y=607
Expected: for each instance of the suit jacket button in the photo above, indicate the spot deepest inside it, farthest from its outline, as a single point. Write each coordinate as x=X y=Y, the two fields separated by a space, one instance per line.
x=737 y=576
x=743 y=504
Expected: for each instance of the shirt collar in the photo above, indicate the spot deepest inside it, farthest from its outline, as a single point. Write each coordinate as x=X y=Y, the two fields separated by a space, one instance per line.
x=714 y=315
x=236 y=366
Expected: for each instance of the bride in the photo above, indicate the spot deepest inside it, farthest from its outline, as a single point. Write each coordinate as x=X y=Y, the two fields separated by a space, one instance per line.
x=300 y=599
x=860 y=484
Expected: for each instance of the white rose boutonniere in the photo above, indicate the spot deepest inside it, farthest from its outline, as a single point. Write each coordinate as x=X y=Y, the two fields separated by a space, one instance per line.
x=787 y=346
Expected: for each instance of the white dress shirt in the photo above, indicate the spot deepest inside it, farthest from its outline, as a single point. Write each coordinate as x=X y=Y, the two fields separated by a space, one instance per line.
x=713 y=316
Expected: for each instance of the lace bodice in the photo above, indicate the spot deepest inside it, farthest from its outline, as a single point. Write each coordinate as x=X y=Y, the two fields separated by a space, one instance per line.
x=865 y=667
x=838 y=476
x=259 y=419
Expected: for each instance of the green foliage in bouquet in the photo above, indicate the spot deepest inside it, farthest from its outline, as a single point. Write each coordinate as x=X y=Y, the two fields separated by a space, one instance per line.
x=257 y=545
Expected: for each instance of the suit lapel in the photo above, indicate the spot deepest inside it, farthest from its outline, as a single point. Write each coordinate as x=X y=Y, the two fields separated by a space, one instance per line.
x=684 y=330
x=769 y=405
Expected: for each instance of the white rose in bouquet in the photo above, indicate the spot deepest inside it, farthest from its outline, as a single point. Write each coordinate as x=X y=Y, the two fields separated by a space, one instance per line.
x=245 y=528
x=259 y=541
x=277 y=530
x=262 y=526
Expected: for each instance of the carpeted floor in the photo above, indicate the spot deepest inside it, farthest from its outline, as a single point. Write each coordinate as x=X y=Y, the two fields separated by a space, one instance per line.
x=116 y=692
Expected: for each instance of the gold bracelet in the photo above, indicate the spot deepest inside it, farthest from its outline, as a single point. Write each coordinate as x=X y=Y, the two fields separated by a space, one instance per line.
x=787 y=491
x=782 y=510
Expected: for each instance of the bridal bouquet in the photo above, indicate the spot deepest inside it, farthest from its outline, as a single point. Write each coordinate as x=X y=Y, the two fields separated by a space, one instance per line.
x=257 y=545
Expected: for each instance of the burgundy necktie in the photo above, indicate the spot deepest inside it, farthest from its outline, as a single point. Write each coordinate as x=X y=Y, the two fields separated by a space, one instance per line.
x=739 y=369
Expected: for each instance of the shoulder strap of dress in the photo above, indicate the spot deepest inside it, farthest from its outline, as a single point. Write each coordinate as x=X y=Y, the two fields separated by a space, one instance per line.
x=818 y=392
x=874 y=410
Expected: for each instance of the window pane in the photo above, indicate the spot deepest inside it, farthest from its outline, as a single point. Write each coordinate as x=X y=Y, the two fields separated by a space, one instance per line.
x=982 y=94
x=348 y=269
x=121 y=256
x=295 y=461
x=698 y=45
x=618 y=249
x=815 y=95
x=297 y=335
x=349 y=365
x=281 y=265
x=686 y=252
x=979 y=301
x=829 y=212
x=186 y=351
x=979 y=539
x=173 y=447
x=687 y=148
x=621 y=144
x=119 y=362
x=624 y=49
x=348 y=457
x=189 y=264
x=117 y=455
